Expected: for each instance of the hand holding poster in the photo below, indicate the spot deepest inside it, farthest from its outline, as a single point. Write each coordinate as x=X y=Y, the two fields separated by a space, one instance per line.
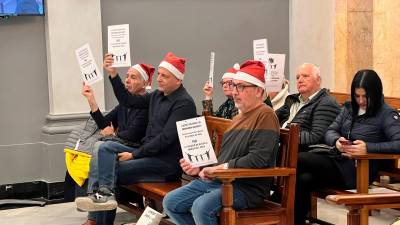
x=90 y=71
x=118 y=45
x=195 y=142
x=276 y=67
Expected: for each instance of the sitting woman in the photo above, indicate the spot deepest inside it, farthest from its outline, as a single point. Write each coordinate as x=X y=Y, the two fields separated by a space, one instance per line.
x=278 y=98
x=227 y=110
x=365 y=125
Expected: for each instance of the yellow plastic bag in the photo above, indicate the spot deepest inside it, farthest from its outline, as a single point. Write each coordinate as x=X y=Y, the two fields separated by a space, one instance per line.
x=78 y=164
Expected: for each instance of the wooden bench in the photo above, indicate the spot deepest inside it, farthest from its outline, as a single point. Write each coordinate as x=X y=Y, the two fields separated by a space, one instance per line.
x=362 y=162
x=281 y=212
x=155 y=192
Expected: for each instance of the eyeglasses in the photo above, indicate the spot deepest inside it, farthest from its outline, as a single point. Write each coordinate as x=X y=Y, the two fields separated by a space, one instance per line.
x=229 y=83
x=241 y=87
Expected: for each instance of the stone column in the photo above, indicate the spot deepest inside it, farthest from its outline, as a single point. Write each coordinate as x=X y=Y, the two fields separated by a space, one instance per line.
x=70 y=24
x=386 y=53
x=312 y=38
x=353 y=40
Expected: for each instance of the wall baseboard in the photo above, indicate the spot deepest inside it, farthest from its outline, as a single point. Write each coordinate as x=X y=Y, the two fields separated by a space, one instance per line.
x=33 y=190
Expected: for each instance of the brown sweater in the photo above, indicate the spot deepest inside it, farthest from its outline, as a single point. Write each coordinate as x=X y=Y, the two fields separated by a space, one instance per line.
x=252 y=142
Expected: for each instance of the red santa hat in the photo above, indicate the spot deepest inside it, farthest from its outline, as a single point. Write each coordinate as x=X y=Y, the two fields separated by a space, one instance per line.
x=146 y=71
x=230 y=73
x=174 y=64
x=252 y=71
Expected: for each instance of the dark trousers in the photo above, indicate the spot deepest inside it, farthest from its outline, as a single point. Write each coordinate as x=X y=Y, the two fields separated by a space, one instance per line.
x=314 y=171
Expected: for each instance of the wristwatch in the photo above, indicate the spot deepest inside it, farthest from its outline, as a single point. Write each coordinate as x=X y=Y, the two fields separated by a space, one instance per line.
x=225 y=166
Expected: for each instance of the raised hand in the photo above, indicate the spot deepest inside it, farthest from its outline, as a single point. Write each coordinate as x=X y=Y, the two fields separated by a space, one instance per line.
x=107 y=65
x=208 y=90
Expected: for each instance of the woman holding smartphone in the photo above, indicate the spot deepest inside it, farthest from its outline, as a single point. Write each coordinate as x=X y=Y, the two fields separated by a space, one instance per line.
x=365 y=125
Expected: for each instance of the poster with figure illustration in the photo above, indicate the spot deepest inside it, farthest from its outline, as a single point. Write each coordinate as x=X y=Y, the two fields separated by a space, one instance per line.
x=149 y=217
x=276 y=67
x=89 y=69
x=195 y=142
x=118 y=45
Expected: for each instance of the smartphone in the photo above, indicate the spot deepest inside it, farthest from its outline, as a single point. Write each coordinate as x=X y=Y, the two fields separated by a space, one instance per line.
x=347 y=142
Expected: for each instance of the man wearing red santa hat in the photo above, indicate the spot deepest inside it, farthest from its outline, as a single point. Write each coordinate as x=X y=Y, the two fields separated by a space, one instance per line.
x=250 y=142
x=157 y=158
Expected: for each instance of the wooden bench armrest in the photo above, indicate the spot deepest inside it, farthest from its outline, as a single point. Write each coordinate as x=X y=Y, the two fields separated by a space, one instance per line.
x=376 y=156
x=364 y=199
x=249 y=173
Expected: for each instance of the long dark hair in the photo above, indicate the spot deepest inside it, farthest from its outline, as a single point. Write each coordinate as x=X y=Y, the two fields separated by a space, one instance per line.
x=371 y=83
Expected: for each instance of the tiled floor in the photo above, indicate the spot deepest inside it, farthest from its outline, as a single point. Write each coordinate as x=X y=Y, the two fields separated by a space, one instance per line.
x=66 y=214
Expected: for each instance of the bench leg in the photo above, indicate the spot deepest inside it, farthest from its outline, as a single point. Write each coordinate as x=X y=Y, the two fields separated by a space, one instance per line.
x=353 y=216
x=364 y=213
x=314 y=208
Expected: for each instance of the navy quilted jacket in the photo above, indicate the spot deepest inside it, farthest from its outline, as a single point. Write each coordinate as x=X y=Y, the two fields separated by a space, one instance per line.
x=381 y=133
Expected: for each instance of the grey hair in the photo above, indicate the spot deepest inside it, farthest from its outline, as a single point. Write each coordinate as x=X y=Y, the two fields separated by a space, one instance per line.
x=315 y=69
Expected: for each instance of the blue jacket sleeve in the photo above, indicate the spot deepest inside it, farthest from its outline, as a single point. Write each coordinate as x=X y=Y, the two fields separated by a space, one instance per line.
x=391 y=129
x=333 y=132
x=104 y=121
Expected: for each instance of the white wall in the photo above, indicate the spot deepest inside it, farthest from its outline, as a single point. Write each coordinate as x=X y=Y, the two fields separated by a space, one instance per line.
x=312 y=38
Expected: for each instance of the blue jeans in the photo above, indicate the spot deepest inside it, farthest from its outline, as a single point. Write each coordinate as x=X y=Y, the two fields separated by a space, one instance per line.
x=110 y=150
x=199 y=202
x=110 y=171
x=108 y=162
x=93 y=170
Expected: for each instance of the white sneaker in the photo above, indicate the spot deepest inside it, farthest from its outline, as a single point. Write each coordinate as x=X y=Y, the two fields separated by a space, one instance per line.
x=102 y=200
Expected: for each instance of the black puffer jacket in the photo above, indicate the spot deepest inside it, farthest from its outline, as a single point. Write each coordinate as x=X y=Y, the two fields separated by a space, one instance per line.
x=314 y=117
x=381 y=133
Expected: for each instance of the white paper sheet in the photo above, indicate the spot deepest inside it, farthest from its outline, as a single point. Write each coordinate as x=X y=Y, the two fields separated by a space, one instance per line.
x=195 y=142
x=149 y=217
x=90 y=71
x=260 y=53
x=211 y=74
x=276 y=67
x=260 y=50
x=118 y=45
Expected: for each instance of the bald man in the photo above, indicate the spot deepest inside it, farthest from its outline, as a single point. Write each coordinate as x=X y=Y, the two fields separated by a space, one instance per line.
x=312 y=107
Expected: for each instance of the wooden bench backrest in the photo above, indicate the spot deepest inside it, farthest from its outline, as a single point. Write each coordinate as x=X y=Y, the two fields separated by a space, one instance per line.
x=216 y=128
x=287 y=157
x=287 y=153
x=341 y=98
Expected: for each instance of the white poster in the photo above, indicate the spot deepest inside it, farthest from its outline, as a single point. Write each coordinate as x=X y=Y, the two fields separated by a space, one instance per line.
x=118 y=45
x=211 y=74
x=260 y=53
x=276 y=67
x=260 y=50
x=149 y=217
x=90 y=71
x=195 y=142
